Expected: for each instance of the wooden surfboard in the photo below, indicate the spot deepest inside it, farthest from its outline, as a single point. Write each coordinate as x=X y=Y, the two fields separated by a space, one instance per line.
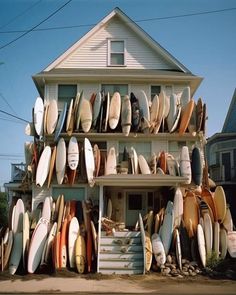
x=191 y=213
x=80 y=254
x=126 y=114
x=220 y=203
x=52 y=165
x=199 y=112
x=52 y=116
x=208 y=232
x=63 y=244
x=161 y=111
x=97 y=159
x=86 y=115
x=185 y=118
x=143 y=165
x=192 y=125
x=201 y=244
x=114 y=110
x=111 y=162
x=134 y=160
x=154 y=111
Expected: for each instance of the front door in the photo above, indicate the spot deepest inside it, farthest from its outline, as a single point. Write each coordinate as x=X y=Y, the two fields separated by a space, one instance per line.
x=136 y=202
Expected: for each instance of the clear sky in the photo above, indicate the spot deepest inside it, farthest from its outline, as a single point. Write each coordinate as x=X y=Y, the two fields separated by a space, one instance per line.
x=205 y=44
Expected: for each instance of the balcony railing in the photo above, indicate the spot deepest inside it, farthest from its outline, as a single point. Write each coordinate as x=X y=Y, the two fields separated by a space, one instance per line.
x=219 y=174
x=18 y=172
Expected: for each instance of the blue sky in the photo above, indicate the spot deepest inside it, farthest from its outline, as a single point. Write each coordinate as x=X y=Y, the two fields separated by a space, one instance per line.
x=205 y=44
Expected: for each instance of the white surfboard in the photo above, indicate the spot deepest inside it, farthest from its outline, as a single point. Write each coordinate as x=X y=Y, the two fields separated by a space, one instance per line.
x=43 y=166
x=89 y=161
x=49 y=241
x=73 y=153
x=167 y=227
x=16 y=253
x=185 y=164
x=158 y=249
x=46 y=211
x=185 y=97
x=95 y=238
x=178 y=250
x=228 y=221
x=126 y=114
x=134 y=160
x=208 y=232
x=201 y=244
x=52 y=116
x=26 y=236
x=72 y=237
x=38 y=116
x=172 y=112
x=86 y=115
x=60 y=122
x=216 y=241
x=69 y=114
x=232 y=243
x=154 y=111
x=17 y=217
x=178 y=208
x=61 y=160
x=111 y=162
x=143 y=165
x=161 y=111
x=37 y=244
x=114 y=110
x=223 y=243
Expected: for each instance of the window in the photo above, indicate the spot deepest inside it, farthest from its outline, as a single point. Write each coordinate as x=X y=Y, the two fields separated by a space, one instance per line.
x=135 y=201
x=112 y=88
x=116 y=52
x=65 y=94
x=155 y=89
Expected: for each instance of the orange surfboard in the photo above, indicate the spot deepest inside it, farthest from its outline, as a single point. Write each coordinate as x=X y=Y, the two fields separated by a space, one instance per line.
x=185 y=118
x=63 y=245
x=191 y=213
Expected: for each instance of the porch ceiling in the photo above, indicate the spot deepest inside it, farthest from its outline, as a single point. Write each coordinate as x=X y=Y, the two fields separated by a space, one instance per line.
x=140 y=180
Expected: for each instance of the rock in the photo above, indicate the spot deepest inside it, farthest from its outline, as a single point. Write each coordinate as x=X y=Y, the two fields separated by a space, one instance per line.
x=185 y=261
x=191 y=267
x=169 y=259
x=180 y=276
x=174 y=272
x=166 y=270
x=186 y=273
x=194 y=263
x=162 y=266
x=184 y=268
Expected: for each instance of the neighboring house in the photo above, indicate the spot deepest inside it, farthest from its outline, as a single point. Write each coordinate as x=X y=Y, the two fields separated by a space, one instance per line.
x=221 y=155
x=117 y=55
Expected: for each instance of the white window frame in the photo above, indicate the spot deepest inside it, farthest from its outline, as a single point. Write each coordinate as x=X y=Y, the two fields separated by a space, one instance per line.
x=109 y=53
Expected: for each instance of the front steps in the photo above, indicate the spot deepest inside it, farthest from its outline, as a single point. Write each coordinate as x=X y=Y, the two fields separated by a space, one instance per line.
x=121 y=253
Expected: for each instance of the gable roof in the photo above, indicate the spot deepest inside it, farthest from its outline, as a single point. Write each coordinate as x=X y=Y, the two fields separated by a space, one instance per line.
x=230 y=120
x=133 y=26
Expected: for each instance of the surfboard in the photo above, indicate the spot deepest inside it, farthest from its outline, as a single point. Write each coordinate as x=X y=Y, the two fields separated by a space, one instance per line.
x=97 y=159
x=60 y=122
x=158 y=250
x=134 y=160
x=95 y=238
x=223 y=243
x=52 y=164
x=126 y=114
x=16 y=252
x=178 y=208
x=43 y=166
x=26 y=237
x=196 y=166
x=177 y=118
x=216 y=241
x=204 y=117
x=178 y=250
x=52 y=116
x=208 y=232
x=56 y=250
x=143 y=165
x=61 y=160
x=63 y=244
x=154 y=111
x=199 y=111
x=107 y=109
x=184 y=241
x=220 y=203
x=136 y=117
x=161 y=111
x=60 y=212
x=143 y=104
x=170 y=119
x=185 y=97
x=114 y=110
x=143 y=241
x=172 y=165
x=185 y=164
x=73 y=153
x=86 y=115
x=228 y=222
x=46 y=211
x=80 y=254
x=89 y=161
x=7 y=250
x=191 y=213
x=38 y=116
x=69 y=117
x=201 y=244
x=186 y=115
x=37 y=244
x=148 y=252
x=17 y=217
x=231 y=243
x=167 y=108
x=72 y=237
x=192 y=125
x=96 y=109
x=207 y=197
x=167 y=227
x=49 y=242
x=162 y=161
x=111 y=162
x=77 y=111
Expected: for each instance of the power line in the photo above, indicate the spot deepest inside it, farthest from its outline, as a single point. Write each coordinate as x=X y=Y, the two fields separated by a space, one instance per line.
x=20 y=14
x=9 y=120
x=137 y=21
x=5 y=100
x=30 y=30
x=6 y=113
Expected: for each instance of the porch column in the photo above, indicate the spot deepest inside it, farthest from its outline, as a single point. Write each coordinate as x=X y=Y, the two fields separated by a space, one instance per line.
x=101 y=201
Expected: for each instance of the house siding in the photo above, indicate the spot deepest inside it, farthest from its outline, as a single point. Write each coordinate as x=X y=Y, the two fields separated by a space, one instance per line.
x=93 y=52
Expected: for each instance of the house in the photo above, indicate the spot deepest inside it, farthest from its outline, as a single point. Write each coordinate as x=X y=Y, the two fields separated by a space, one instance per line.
x=221 y=155
x=117 y=55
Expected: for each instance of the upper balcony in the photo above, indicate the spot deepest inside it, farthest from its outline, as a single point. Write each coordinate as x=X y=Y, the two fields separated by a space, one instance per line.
x=222 y=176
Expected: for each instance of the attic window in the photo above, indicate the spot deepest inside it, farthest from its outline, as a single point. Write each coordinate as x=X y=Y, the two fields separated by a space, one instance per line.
x=116 y=52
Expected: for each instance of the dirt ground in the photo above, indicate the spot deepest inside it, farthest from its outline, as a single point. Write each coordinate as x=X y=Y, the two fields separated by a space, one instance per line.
x=66 y=282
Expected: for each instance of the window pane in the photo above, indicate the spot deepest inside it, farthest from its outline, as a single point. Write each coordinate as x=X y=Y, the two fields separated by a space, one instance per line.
x=117 y=46
x=155 y=90
x=117 y=59
x=112 y=88
x=65 y=94
x=135 y=202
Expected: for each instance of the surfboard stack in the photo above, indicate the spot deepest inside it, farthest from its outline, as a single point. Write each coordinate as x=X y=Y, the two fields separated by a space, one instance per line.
x=62 y=235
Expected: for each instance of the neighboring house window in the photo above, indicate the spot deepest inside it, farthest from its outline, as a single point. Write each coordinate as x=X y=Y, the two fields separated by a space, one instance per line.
x=116 y=52
x=65 y=93
x=155 y=89
x=112 y=88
